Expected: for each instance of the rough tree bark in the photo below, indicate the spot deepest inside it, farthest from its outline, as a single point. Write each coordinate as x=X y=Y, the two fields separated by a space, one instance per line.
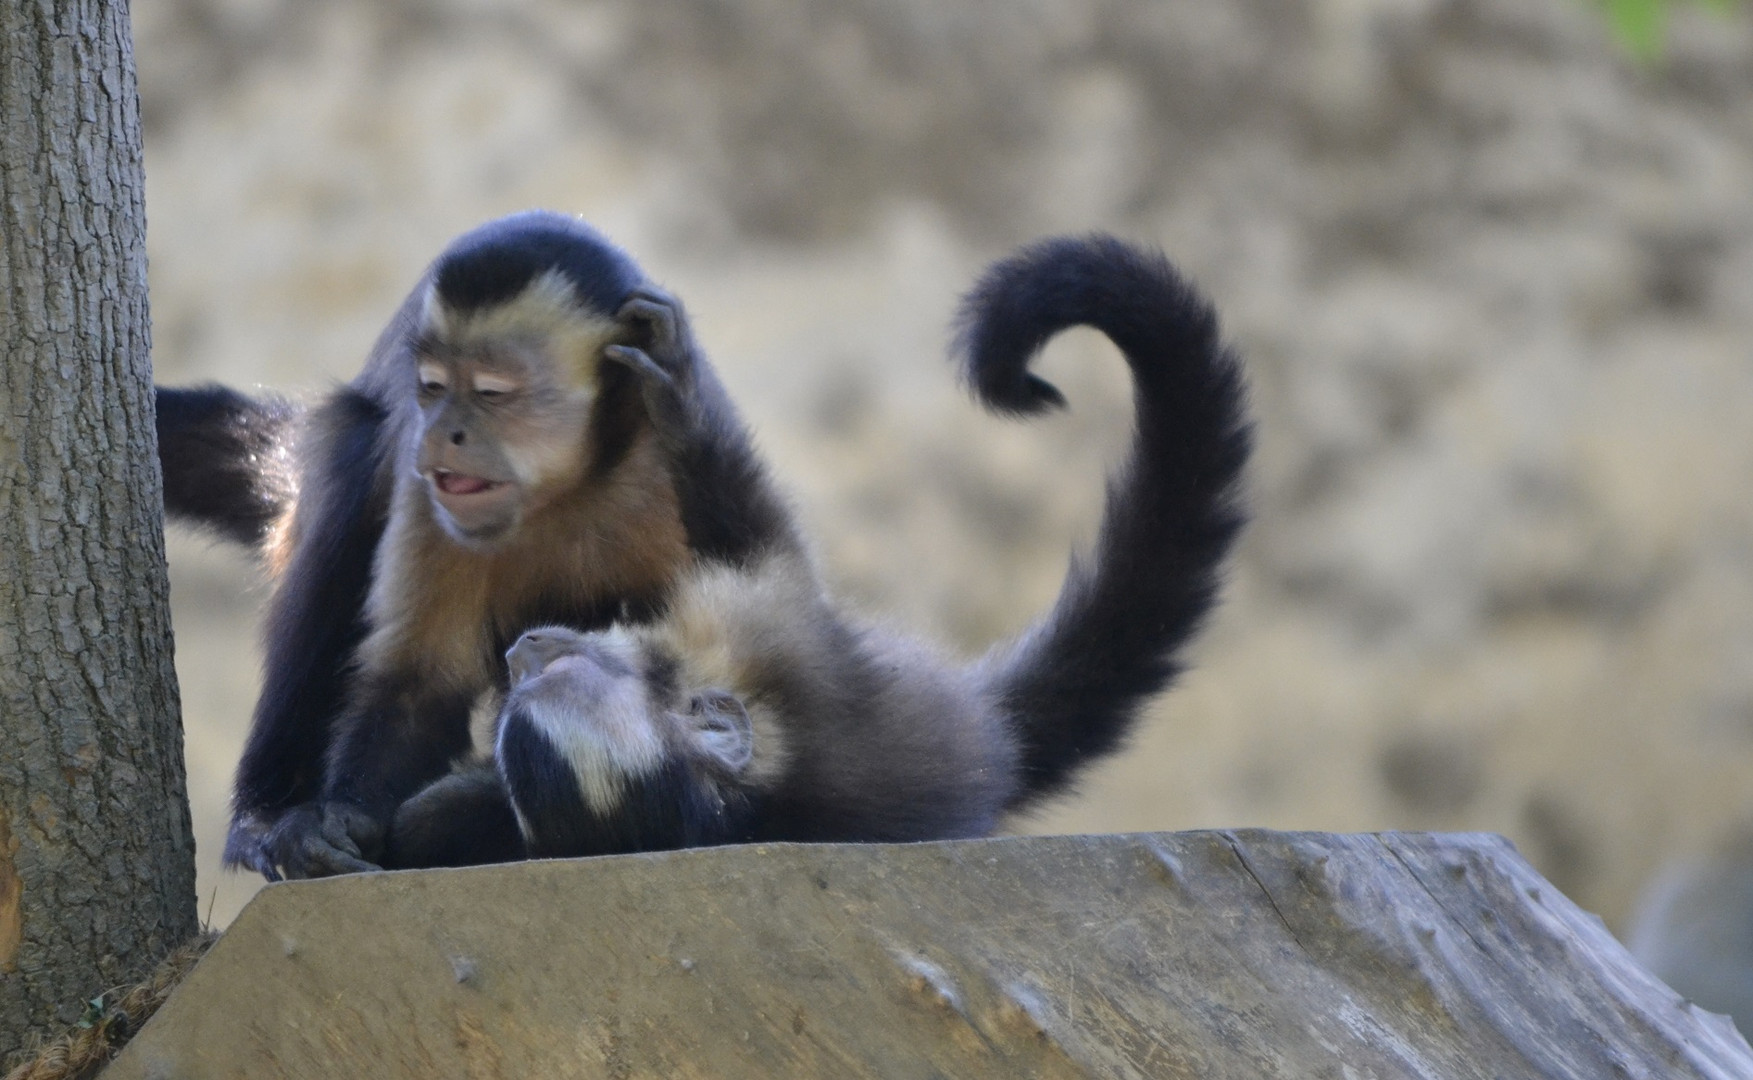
x=96 y=856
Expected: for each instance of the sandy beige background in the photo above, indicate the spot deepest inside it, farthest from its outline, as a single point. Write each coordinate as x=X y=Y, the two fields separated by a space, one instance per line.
x=1493 y=282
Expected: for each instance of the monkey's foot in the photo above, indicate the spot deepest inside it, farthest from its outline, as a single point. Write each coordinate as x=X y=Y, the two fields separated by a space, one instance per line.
x=311 y=840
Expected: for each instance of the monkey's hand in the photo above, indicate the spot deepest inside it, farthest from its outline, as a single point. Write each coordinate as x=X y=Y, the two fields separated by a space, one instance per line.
x=310 y=840
x=665 y=361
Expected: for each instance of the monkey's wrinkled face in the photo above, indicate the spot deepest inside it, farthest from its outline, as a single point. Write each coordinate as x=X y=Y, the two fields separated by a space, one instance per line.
x=498 y=429
x=616 y=713
x=584 y=695
x=505 y=396
x=601 y=752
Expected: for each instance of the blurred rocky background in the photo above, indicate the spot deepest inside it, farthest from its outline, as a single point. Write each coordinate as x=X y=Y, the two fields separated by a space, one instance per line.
x=1493 y=279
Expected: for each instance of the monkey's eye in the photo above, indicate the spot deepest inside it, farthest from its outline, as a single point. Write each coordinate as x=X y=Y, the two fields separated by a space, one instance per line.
x=492 y=386
x=433 y=379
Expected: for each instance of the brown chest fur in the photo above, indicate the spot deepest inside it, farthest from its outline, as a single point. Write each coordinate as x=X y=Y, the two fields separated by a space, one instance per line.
x=438 y=609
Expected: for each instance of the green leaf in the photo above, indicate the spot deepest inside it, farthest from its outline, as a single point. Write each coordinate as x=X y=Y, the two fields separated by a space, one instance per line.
x=1639 y=25
x=93 y=1013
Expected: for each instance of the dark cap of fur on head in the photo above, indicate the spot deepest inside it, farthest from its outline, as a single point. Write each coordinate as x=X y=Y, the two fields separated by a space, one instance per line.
x=493 y=263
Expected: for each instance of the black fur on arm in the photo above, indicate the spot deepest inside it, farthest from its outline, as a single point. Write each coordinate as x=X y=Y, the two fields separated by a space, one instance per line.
x=730 y=509
x=1075 y=683
x=227 y=459
x=394 y=741
x=463 y=819
x=314 y=620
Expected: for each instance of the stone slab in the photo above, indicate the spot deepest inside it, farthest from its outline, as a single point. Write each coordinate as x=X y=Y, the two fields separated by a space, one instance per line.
x=1242 y=954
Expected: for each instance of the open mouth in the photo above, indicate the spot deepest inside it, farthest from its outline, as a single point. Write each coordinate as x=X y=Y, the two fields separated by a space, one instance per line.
x=455 y=483
x=475 y=508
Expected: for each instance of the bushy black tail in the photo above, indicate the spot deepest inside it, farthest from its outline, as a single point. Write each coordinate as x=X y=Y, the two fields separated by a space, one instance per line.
x=227 y=458
x=1075 y=682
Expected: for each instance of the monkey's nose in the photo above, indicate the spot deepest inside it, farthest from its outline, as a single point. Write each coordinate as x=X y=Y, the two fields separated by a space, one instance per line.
x=456 y=438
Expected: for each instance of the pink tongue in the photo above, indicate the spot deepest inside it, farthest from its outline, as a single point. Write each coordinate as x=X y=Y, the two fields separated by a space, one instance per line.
x=458 y=484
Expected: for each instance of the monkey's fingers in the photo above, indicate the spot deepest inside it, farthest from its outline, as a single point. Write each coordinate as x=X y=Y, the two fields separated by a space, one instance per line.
x=662 y=315
x=290 y=855
x=288 y=860
x=260 y=862
x=247 y=845
x=655 y=294
x=641 y=364
x=322 y=859
x=663 y=396
x=257 y=857
x=325 y=851
x=352 y=831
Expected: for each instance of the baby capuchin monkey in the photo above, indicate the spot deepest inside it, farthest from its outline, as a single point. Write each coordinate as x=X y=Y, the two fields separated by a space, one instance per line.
x=753 y=709
x=586 y=761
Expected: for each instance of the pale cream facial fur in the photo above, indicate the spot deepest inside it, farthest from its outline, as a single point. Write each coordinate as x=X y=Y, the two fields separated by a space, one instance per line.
x=548 y=310
x=616 y=740
x=542 y=350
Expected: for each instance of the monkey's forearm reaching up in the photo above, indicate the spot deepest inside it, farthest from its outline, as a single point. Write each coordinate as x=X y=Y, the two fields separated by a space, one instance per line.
x=729 y=507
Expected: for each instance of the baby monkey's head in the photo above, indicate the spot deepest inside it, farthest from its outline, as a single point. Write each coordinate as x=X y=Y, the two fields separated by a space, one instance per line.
x=603 y=749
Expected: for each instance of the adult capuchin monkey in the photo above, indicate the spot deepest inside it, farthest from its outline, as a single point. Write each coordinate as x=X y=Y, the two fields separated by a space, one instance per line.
x=486 y=472
x=753 y=709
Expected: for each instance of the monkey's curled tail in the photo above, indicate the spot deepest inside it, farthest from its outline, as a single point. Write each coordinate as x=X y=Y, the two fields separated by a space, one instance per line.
x=1074 y=683
x=227 y=459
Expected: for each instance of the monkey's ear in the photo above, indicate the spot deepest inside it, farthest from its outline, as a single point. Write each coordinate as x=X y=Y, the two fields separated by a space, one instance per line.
x=721 y=729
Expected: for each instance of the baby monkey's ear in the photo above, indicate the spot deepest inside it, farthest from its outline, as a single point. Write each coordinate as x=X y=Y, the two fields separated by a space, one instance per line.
x=719 y=727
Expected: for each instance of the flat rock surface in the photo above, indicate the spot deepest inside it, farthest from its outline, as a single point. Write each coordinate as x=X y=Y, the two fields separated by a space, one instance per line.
x=1201 y=954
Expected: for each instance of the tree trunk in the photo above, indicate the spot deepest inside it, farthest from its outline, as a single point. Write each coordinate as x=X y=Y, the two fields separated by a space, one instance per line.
x=96 y=856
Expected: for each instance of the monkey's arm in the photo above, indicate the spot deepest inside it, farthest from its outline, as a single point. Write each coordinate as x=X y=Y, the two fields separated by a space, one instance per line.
x=313 y=627
x=393 y=739
x=729 y=507
x=463 y=819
